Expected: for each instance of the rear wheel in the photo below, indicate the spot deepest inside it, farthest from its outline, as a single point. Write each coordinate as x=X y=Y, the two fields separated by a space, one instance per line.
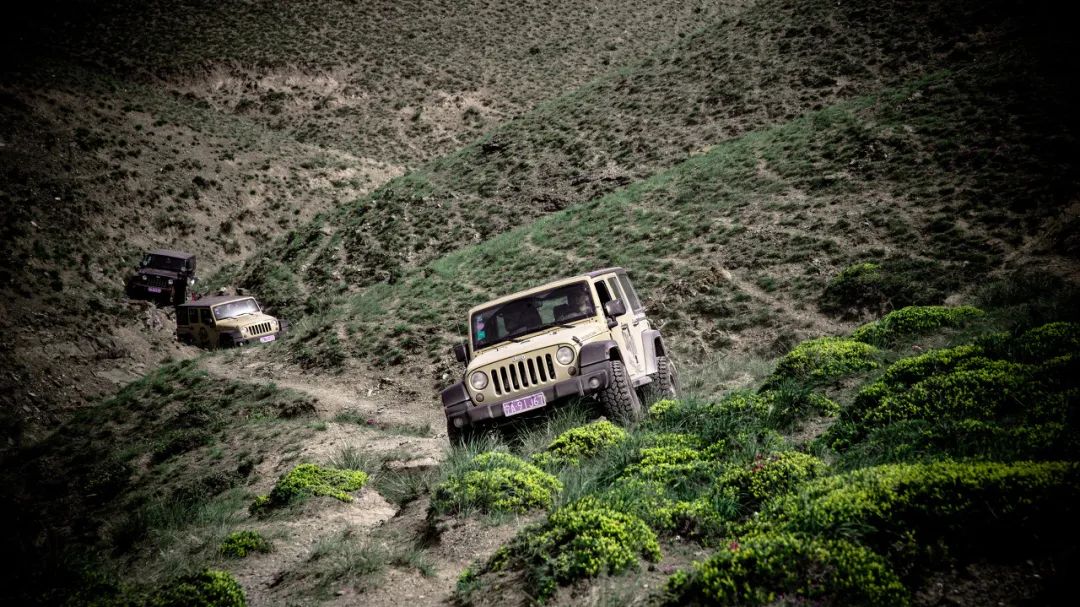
x=619 y=400
x=667 y=378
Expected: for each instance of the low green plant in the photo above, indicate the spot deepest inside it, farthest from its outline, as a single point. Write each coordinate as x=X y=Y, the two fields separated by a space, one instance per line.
x=823 y=360
x=241 y=543
x=211 y=588
x=913 y=321
x=570 y=447
x=910 y=513
x=308 y=480
x=771 y=475
x=580 y=540
x=788 y=569
x=494 y=482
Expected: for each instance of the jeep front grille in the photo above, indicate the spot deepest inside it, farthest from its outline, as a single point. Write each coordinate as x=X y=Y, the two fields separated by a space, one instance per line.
x=157 y=281
x=527 y=373
x=259 y=329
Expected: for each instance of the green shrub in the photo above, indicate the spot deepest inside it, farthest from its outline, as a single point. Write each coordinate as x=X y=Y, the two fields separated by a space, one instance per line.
x=788 y=569
x=208 y=589
x=581 y=540
x=772 y=475
x=496 y=482
x=958 y=384
x=699 y=512
x=908 y=512
x=918 y=440
x=675 y=466
x=891 y=284
x=824 y=359
x=570 y=447
x=307 y=480
x=240 y=543
x=1038 y=344
x=913 y=321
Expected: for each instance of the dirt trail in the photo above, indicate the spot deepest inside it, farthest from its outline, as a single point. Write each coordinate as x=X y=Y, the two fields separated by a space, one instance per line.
x=372 y=417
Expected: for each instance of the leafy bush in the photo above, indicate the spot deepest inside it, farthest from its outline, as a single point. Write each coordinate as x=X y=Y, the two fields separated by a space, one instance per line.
x=912 y=321
x=907 y=511
x=884 y=286
x=239 y=543
x=1038 y=344
x=570 y=447
x=583 y=539
x=960 y=383
x=496 y=482
x=207 y=589
x=772 y=475
x=763 y=569
x=307 y=480
x=824 y=359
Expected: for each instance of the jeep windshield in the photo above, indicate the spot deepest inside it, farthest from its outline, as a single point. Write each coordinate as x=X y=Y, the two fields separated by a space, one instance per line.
x=530 y=314
x=162 y=262
x=235 y=308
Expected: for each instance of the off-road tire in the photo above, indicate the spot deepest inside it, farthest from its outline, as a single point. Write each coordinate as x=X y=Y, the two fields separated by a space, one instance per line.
x=667 y=378
x=458 y=436
x=619 y=400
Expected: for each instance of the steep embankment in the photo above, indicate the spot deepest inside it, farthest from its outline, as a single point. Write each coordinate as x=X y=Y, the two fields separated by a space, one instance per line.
x=215 y=127
x=944 y=181
x=771 y=63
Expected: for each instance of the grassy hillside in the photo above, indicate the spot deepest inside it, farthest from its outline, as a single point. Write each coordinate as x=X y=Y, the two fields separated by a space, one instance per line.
x=737 y=246
x=768 y=65
x=215 y=127
x=772 y=173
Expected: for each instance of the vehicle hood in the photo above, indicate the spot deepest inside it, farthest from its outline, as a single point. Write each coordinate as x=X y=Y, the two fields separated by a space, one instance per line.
x=157 y=272
x=584 y=332
x=244 y=321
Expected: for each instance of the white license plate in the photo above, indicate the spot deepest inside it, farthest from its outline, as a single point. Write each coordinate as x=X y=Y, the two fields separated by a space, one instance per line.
x=266 y=338
x=525 y=403
x=154 y=289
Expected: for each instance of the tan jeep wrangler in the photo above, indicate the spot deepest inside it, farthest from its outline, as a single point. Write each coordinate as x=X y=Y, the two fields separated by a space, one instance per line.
x=225 y=321
x=580 y=336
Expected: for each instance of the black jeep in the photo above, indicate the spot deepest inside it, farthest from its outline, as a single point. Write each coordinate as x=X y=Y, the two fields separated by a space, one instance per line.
x=163 y=276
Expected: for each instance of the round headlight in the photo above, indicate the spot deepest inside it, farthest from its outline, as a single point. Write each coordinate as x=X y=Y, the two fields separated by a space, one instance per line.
x=170 y=281
x=143 y=276
x=478 y=380
x=565 y=355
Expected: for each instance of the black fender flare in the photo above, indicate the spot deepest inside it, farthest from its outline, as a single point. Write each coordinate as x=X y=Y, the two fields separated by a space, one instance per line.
x=654 y=347
x=599 y=352
x=455 y=395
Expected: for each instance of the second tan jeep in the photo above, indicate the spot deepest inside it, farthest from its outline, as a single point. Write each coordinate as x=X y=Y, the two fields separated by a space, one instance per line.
x=225 y=321
x=583 y=336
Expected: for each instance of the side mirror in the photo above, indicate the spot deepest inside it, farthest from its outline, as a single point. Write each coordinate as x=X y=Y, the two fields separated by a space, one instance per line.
x=614 y=308
x=461 y=353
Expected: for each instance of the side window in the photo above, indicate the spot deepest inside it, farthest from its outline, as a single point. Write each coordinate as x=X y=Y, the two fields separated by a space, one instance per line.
x=613 y=285
x=181 y=316
x=204 y=316
x=632 y=301
x=602 y=292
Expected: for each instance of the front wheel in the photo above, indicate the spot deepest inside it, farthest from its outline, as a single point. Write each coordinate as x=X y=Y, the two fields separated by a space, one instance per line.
x=619 y=400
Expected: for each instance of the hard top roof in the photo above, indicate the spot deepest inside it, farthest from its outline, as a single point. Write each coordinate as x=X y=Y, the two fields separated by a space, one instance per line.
x=171 y=253
x=596 y=273
x=213 y=300
x=543 y=287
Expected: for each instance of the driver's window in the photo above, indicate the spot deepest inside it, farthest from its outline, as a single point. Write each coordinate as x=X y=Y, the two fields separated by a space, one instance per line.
x=205 y=317
x=181 y=316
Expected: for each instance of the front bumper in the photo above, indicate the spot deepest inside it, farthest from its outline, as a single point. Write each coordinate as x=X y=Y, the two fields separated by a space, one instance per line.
x=244 y=341
x=461 y=411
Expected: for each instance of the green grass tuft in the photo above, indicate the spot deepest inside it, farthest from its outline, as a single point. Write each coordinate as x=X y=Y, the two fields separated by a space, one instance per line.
x=495 y=482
